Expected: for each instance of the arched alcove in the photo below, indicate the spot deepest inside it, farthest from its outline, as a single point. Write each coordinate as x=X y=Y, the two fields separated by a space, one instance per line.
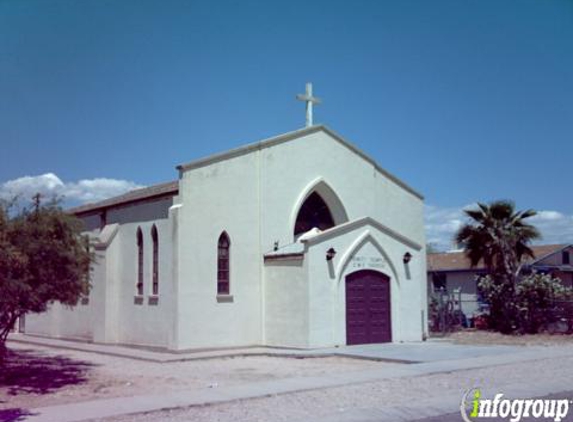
x=318 y=206
x=364 y=239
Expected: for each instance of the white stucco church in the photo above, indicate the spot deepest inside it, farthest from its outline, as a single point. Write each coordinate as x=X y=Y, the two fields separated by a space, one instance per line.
x=300 y=240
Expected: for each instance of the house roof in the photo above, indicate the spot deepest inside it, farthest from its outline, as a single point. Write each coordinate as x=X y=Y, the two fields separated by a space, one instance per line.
x=285 y=137
x=457 y=261
x=155 y=191
x=541 y=256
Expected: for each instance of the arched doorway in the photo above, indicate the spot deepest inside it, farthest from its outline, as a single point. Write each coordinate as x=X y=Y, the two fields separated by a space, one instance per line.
x=368 y=316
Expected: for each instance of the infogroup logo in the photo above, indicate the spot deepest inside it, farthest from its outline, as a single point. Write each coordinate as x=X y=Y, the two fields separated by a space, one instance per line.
x=474 y=407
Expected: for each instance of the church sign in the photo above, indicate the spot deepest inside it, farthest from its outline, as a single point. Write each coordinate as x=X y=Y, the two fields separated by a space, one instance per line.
x=358 y=262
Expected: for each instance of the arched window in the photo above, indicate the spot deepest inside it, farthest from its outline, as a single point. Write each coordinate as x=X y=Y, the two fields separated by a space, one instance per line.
x=223 y=258
x=139 y=285
x=155 y=279
x=313 y=213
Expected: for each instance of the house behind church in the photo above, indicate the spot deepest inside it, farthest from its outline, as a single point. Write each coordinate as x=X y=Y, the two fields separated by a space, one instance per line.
x=300 y=240
x=450 y=271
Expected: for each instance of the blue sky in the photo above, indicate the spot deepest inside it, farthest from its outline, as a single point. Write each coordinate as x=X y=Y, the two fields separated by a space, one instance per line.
x=464 y=100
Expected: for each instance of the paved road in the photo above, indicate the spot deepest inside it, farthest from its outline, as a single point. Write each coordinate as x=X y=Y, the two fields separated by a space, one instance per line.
x=456 y=417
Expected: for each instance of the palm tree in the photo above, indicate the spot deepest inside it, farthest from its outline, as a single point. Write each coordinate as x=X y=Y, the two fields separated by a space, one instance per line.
x=498 y=235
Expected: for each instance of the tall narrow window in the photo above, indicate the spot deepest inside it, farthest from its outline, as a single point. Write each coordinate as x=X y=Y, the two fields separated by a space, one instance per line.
x=223 y=257
x=139 y=285
x=154 y=238
x=565 y=258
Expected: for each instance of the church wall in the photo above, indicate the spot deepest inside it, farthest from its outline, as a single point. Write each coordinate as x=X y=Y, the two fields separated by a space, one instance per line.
x=286 y=303
x=151 y=210
x=220 y=197
x=78 y=322
x=92 y=222
x=144 y=320
x=111 y=316
x=399 y=209
x=290 y=168
x=364 y=248
x=226 y=196
x=61 y=321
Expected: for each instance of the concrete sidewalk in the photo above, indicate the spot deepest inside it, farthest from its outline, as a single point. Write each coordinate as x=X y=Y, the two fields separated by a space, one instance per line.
x=195 y=397
x=416 y=352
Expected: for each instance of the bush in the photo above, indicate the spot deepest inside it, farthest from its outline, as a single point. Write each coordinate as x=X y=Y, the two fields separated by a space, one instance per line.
x=526 y=307
x=536 y=295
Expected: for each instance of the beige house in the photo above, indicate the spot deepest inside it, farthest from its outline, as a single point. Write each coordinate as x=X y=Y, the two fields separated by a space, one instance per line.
x=449 y=271
x=300 y=240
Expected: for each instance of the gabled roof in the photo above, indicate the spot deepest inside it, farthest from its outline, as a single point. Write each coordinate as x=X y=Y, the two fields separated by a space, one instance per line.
x=457 y=261
x=172 y=188
x=285 y=137
x=546 y=254
x=155 y=191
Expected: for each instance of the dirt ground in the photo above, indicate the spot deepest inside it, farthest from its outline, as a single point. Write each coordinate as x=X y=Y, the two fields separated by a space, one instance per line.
x=331 y=404
x=490 y=337
x=36 y=376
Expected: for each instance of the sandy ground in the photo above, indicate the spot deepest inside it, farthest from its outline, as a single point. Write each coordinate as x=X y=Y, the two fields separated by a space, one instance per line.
x=36 y=376
x=489 y=337
x=322 y=404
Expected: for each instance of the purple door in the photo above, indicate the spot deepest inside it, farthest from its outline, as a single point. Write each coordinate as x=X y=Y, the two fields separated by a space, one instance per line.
x=368 y=308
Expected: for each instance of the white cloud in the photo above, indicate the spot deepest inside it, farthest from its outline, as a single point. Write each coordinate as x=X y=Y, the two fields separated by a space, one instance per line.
x=49 y=185
x=442 y=224
x=548 y=216
x=554 y=226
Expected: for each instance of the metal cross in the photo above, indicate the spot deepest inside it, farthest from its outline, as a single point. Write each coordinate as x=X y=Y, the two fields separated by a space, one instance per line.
x=310 y=100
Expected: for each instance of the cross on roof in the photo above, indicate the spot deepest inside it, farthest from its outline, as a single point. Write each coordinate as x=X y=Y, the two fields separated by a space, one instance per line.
x=310 y=100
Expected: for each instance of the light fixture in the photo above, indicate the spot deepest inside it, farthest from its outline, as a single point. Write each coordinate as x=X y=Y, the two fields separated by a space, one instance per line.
x=330 y=254
x=407 y=257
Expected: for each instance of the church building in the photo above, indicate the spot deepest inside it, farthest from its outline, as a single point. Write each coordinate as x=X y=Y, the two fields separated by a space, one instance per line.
x=300 y=240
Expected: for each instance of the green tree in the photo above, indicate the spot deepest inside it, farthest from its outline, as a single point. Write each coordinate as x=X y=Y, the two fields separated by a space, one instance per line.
x=43 y=259
x=499 y=236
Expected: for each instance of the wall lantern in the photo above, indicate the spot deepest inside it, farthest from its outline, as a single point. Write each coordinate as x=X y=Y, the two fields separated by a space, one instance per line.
x=330 y=254
x=407 y=257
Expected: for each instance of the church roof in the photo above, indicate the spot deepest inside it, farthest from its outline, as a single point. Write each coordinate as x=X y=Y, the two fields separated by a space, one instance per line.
x=285 y=137
x=155 y=191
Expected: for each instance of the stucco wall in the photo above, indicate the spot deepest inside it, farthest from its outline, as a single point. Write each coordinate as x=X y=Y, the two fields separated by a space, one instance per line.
x=111 y=315
x=291 y=169
x=149 y=321
x=60 y=321
x=221 y=197
x=364 y=247
x=287 y=303
x=255 y=197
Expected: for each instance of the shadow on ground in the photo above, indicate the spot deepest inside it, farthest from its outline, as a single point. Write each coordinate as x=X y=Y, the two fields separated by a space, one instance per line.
x=14 y=415
x=33 y=372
